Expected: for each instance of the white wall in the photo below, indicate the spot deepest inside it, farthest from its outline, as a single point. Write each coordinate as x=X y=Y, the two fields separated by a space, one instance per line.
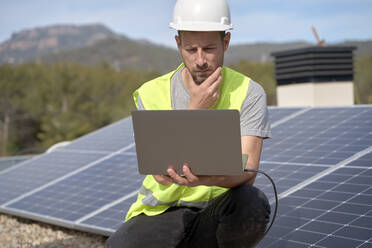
x=316 y=94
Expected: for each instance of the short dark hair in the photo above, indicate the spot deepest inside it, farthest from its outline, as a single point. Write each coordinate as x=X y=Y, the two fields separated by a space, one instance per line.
x=222 y=35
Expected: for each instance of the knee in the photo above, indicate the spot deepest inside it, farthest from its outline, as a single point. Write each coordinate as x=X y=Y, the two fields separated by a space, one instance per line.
x=119 y=238
x=249 y=194
x=114 y=241
x=251 y=212
x=246 y=225
x=251 y=199
x=110 y=242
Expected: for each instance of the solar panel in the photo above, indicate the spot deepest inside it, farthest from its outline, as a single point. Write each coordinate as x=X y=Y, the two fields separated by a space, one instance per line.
x=68 y=184
x=318 y=157
x=106 y=140
x=334 y=211
x=317 y=137
x=8 y=162
x=285 y=176
x=84 y=192
x=321 y=136
x=40 y=171
x=110 y=219
x=365 y=161
x=276 y=114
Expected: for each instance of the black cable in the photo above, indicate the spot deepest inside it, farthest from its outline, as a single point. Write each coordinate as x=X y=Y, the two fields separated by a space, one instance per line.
x=275 y=193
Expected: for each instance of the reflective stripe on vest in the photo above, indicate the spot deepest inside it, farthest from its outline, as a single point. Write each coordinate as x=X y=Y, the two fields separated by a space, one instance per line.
x=151 y=200
x=154 y=198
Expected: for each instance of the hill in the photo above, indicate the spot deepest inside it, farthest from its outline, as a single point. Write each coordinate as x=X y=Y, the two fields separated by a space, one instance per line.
x=93 y=44
x=260 y=52
x=124 y=53
x=29 y=44
x=121 y=53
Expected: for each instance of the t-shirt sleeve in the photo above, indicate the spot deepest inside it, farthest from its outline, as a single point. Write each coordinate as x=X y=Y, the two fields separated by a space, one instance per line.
x=254 y=118
x=140 y=104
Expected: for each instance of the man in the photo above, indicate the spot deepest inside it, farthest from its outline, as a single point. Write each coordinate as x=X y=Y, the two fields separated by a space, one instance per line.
x=191 y=210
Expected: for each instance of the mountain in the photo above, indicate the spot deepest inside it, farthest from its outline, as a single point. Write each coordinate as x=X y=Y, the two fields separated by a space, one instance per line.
x=29 y=44
x=93 y=44
x=86 y=44
x=122 y=53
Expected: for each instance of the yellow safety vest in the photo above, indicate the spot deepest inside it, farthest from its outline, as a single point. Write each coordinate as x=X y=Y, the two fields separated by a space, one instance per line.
x=154 y=198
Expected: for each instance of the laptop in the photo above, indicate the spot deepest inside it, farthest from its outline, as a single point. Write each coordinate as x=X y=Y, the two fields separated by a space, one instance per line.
x=208 y=140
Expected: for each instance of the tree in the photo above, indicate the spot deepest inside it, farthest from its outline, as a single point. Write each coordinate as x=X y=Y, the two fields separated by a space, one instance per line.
x=42 y=105
x=73 y=99
x=12 y=92
x=263 y=73
x=363 y=79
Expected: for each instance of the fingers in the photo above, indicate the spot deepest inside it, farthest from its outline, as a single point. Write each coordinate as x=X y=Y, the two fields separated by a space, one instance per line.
x=214 y=77
x=189 y=80
x=189 y=180
x=215 y=87
x=192 y=180
x=188 y=174
x=216 y=95
x=163 y=179
x=176 y=178
x=205 y=95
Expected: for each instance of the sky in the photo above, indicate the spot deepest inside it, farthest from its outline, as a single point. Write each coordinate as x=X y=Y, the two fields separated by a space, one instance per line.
x=253 y=20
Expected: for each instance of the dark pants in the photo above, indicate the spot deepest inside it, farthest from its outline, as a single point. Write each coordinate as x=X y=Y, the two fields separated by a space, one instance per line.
x=237 y=218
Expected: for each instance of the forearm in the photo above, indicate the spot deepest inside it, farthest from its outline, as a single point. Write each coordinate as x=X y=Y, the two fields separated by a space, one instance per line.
x=230 y=181
x=234 y=181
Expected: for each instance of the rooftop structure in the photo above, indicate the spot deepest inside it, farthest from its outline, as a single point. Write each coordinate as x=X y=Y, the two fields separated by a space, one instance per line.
x=315 y=76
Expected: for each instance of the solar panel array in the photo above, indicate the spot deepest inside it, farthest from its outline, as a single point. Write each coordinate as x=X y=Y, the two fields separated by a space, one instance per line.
x=76 y=185
x=334 y=211
x=320 y=159
x=321 y=163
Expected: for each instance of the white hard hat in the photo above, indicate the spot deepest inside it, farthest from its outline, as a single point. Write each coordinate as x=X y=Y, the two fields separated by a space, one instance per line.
x=201 y=15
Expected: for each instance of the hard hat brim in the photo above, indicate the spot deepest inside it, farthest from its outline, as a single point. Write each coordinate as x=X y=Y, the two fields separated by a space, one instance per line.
x=200 y=26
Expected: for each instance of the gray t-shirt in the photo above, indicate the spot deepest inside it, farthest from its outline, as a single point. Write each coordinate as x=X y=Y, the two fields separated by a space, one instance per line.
x=254 y=119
